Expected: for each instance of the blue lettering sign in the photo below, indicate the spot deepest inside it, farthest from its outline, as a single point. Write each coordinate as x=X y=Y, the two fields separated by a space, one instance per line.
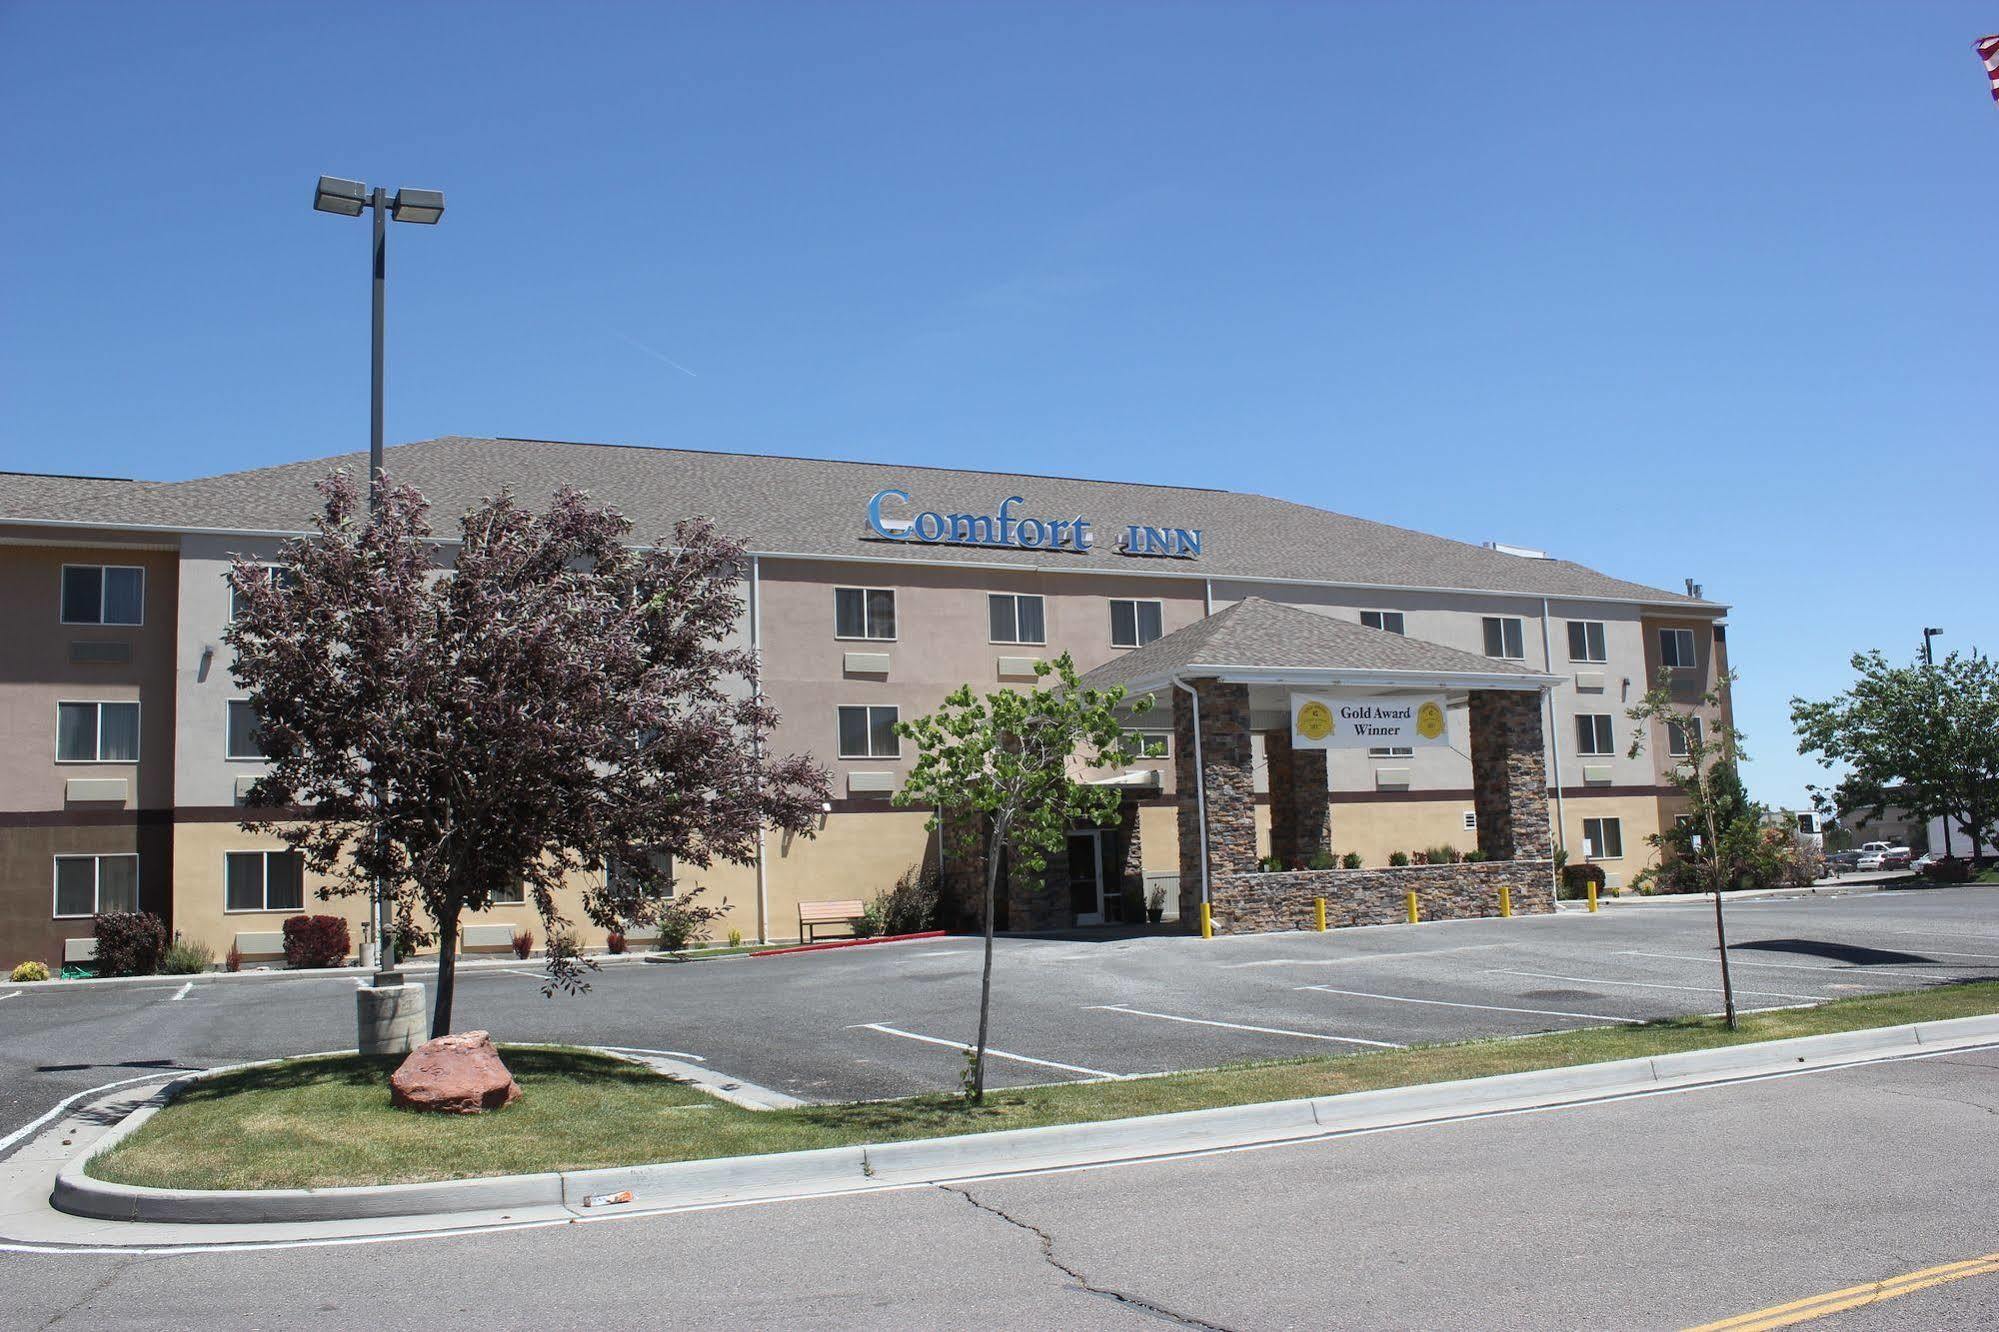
x=1005 y=528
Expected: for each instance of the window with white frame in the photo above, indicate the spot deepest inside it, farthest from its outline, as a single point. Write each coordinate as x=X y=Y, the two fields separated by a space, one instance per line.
x=103 y=594
x=1603 y=839
x=96 y=885
x=1141 y=745
x=1136 y=623
x=1386 y=621
x=277 y=574
x=97 y=732
x=622 y=877
x=1016 y=618
x=1677 y=734
x=868 y=731
x=263 y=881
x=1471 y=820
x=243 y=731
x=1594 y=734
x=1390 y=751
x=1676 y=648
x=1505 y=637
x=863 y=612
x=1586 y=641
x=509 y=894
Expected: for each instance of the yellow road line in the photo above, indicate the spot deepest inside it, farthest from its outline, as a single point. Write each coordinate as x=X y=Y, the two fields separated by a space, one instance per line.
x=1853 y=1297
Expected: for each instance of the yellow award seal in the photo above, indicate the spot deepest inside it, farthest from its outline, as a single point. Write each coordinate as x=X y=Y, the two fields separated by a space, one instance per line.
x=1429 y=721
x=1315 y=721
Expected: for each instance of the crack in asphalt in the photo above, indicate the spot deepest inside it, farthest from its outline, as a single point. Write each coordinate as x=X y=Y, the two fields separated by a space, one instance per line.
x=1136 y=1303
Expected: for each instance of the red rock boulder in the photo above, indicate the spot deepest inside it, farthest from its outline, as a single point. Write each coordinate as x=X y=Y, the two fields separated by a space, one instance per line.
x=460 y=1074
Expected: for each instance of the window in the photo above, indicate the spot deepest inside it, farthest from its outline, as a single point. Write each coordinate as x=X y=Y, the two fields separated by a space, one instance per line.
x=1593 y=733
x=1387 y=621
x=1586 y=641
x=1135 y=623
x=1603 y=839
x=863 y=612
x=1016 y=619
x=263 y=881
x=244 y=738
x=279 y=575
x=1676 y=647
x=97 y=732
x=1148 y=745
x=1505 y=636
x=620 y=875
x=1676 y=737
x=1808 y=824
x=869 y=732
x=94 y=885
x=509 y=894
x=1391 y=751
x=103 y=594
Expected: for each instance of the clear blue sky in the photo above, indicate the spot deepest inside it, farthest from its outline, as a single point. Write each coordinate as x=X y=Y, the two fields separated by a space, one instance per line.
x=1676 y=290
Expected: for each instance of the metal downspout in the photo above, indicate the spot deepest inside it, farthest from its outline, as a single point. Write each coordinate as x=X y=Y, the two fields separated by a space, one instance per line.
x=1554 y=733
x=757 y=658
x=1200 y=782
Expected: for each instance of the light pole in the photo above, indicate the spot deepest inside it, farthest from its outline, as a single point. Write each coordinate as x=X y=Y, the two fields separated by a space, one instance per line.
x=348 y=198
x=1929 y=664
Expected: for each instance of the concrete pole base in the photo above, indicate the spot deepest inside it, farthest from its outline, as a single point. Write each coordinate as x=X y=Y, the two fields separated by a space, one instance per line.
x=390 y=1018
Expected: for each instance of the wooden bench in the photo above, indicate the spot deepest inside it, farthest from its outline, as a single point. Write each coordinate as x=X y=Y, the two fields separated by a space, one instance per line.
x=849 y=913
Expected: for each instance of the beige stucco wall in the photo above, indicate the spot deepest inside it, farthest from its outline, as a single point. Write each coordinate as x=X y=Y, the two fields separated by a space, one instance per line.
x=1641 y=816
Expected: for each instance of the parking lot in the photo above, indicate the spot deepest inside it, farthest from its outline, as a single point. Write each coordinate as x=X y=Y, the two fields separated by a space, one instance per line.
x=890 y=1020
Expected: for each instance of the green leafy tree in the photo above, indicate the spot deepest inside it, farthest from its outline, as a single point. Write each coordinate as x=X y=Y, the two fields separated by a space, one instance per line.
x=1004 y=760
x=1722 y=833
x=1931 y=733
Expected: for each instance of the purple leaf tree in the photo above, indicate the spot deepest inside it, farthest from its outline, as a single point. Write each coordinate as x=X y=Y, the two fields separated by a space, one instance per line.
x=538 y=705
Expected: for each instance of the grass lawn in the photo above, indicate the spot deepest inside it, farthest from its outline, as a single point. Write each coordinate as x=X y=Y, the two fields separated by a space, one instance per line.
x=321 y=1122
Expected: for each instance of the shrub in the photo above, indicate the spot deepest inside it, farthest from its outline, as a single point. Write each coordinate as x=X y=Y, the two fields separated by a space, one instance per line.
x=523 y=944
x=1577 y=878
x=1948 y=870
x=129 y=943
x=614 y=942
x=1398 y=859
x=910 y=906
x=735 y=938
x=28 y=972
x=1442 y=855
x=184 y=957
x=683 y=920
x=316 y=941
x=1474 y=856
x=233 y=959
x=1322 y=860
x=1270 y=865
x=1351 y=860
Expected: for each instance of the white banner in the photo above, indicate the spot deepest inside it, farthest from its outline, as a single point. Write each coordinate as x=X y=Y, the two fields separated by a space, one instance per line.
x=1367 y=721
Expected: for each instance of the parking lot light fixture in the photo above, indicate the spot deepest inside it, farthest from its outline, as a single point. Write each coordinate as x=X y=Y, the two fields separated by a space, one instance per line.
x=345 y=197
x=417 y=206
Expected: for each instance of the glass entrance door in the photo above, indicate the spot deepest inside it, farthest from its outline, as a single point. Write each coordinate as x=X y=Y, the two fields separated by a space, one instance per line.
x=1086 y=877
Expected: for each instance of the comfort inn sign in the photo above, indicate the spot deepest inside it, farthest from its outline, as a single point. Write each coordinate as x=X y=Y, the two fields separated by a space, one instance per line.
x=889 y=520
x=1367 y=721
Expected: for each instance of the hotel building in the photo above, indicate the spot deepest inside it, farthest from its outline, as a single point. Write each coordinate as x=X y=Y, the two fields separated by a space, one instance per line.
x=872 y=592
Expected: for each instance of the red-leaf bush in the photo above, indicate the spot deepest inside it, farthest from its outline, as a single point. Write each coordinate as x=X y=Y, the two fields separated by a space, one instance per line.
x=316 y=941
x=129 y=943
x=1950 y=869
x=614 y=942
x=523 y=944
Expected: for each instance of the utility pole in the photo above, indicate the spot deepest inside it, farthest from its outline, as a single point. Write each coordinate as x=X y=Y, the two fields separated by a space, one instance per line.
x=1930 y=665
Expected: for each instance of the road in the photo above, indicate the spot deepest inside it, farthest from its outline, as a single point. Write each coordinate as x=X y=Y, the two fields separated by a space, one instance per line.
x=879 y=1021
x=1657 y=1212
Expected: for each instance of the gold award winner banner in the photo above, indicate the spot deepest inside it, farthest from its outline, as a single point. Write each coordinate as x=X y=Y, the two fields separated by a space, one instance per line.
x=1367 y=721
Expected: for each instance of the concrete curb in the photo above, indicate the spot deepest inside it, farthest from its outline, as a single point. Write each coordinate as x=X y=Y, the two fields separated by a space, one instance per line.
x=1014 y=1151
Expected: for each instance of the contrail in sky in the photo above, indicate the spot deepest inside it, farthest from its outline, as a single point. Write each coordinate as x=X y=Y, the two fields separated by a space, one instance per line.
x=661 y=356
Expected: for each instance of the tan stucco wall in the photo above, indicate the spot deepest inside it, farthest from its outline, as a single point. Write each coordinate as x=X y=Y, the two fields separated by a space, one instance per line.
x=1641 y=816
x=1377 y=828
x=855 y=855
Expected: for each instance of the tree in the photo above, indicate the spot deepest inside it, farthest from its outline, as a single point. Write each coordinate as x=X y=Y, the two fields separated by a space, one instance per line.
x=1929 y=732
x=1004 y=759
x=552 y=704
x=1723 y=833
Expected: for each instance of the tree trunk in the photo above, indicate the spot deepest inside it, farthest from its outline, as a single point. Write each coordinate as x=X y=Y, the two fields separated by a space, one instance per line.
x=986 y=979
x=1720 y=930
x=447 y=974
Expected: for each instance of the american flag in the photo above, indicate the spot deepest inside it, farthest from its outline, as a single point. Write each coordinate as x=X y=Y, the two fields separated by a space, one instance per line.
x=1988 y=51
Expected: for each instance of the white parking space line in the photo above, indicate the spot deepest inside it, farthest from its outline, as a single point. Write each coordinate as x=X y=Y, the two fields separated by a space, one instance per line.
x=990 y=1052
x=1364 y=957
x=1648 y=985
x=670 y=1054
x=1243 y=1026
x=182 y=992
x=1735 y=959
x=944 y=952
x=1490 y=1008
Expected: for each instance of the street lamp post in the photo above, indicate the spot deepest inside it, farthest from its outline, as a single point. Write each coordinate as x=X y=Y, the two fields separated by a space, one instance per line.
x=1929 y=664
x=347 y=198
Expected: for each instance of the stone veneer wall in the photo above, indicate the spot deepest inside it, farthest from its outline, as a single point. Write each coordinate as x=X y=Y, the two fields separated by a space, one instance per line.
x=1509 y=774
x=1299 y=813
x=1253 y=903
x=1225 y=753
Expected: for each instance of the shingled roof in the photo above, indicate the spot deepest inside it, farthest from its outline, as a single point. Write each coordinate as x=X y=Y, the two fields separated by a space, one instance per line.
x=803 y=506
x=1256 y=635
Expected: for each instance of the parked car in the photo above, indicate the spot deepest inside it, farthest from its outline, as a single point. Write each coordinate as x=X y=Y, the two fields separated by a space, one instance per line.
x=1922 y=863
x=1869 y=860
x=1898 y=858
x=1842 y=862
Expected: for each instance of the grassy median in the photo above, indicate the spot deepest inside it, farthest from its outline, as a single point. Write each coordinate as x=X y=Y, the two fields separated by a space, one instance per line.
x=310 y=1123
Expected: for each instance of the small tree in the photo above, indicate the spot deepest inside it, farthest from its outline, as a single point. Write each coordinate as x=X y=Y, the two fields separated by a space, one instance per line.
x=1005 y=758
x=552 y=703
x=1930 y=732
x=1724 y=830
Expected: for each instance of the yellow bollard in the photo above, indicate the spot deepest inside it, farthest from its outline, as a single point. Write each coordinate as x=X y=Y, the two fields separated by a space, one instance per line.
x=1414 y=914
x=1207 y=922
x=1592 y=895
x=1319 y=913
x=1505 y=900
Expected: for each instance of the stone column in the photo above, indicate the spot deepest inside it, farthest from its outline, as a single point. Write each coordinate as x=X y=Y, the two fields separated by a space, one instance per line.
x=1226 y=773
x=1509 y=774
x=1298 y=808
